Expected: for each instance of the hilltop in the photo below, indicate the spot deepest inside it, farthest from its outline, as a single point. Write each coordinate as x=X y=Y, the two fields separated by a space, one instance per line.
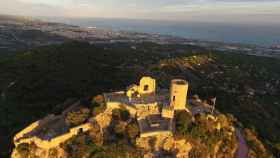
x=36 y=82
x=138 y=122
x=143 y=121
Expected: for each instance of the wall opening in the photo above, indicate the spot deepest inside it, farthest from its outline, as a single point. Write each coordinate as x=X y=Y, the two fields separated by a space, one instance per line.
x=80 y=131
x=173 y=98
x=146 y=87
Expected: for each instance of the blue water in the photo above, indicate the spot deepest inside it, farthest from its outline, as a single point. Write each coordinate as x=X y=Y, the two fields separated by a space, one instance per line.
x=260 y=34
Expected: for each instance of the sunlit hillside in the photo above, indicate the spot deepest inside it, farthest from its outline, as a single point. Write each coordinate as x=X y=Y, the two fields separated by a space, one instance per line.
x=35 y=83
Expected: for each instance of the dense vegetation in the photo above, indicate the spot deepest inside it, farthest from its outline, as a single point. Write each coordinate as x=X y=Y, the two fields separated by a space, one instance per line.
x=33 y=83
x=117 y=141
x=205 y=136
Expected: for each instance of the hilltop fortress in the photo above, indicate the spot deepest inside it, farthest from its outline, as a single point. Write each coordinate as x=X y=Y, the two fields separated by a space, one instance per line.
x=153 y=109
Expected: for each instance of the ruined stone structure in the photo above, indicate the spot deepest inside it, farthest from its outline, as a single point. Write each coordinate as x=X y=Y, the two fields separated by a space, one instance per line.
x=147 y=86
x=178 y=94
x=153 y=109
x=54 y=142
x=35 y=132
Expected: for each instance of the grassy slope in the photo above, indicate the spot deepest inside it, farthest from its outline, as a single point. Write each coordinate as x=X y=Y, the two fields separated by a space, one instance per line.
x=47 y=76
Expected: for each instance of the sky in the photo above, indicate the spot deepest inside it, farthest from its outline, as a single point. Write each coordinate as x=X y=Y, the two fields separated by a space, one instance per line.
x=259 y=11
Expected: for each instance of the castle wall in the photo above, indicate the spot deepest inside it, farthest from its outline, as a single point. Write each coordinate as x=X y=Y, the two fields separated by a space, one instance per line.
x=40 y=123
x=144 y=110
x=118 y=105
x=132 y=90
x=167 y=112
x=48 y=144
x=26 y=130
x=113 y=105
x=156 y=133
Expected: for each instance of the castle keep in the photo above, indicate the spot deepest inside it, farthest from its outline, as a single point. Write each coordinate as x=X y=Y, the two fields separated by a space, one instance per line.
x=178 y=94
x=153 y=109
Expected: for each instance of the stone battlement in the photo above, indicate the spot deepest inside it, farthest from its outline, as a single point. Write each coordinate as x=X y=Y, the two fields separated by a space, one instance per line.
x=31 y=134
x=55 y=142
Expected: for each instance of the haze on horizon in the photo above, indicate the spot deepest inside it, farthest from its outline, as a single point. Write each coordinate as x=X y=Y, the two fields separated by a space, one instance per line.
x=237 y=11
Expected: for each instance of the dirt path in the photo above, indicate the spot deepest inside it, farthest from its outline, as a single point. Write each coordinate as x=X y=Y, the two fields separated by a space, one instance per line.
x=243 y=150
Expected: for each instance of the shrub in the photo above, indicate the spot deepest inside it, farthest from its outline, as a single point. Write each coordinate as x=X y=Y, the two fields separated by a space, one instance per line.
x=23 y=150
x=183 y=120
x=198 y=132
x=120 y=114
x=152 y=142
x=132 y=131
x=96 y=134
x=120 y=150
x=119 y=128
x=27 y=150
x=98 y=110
x=277 y=146
x=81 y=146
x=196 y=153
x=223 y=120
x=98 y=99
x=124 y=115
x=53 y=153
x=77 y=117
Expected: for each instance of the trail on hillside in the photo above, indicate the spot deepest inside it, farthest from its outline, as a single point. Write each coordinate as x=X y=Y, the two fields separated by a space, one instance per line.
x=243 y=150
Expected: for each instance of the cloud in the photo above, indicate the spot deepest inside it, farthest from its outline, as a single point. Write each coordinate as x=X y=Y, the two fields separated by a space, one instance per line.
x=15 y=7
x=223 y=10
x=225 y=7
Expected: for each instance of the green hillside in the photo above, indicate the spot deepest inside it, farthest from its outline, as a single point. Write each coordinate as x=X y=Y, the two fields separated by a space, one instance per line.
x=34 y=83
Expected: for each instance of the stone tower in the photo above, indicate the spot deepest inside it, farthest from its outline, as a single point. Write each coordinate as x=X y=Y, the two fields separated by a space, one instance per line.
x=147 y=85
x=178 y=94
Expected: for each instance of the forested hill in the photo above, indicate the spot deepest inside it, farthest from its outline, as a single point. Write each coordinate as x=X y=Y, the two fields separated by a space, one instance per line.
x=34 y=82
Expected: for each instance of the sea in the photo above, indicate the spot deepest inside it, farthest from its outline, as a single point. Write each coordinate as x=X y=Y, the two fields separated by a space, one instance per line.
x=244 y=33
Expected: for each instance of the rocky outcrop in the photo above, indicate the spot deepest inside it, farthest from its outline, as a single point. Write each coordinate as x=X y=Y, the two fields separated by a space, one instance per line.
x=180 y=148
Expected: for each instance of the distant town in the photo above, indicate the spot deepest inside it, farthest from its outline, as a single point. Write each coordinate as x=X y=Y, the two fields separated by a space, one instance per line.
x=17 y=33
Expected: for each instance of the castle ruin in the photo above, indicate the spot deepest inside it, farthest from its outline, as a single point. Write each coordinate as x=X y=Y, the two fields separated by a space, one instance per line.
x=154 y=110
